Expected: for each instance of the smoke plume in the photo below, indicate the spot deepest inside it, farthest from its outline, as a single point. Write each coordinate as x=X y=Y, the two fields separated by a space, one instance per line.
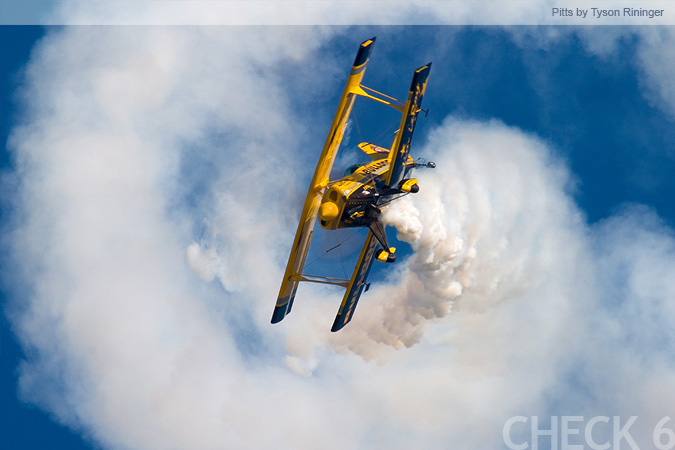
x=149 y=254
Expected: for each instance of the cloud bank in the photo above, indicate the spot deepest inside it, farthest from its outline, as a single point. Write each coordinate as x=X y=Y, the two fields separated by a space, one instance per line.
x=139 y=167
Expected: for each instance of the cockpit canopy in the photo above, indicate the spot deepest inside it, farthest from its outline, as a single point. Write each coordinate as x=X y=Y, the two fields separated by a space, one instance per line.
x=353 y=168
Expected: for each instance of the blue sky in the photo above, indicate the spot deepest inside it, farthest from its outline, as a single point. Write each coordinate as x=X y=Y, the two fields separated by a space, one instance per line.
x=586 y=122
x=22 y=425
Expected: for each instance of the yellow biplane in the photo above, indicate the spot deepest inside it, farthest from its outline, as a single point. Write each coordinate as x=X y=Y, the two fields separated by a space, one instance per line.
x=356 y=199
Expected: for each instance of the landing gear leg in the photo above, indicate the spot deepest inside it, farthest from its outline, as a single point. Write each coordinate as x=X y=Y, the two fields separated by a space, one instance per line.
x=386 y=254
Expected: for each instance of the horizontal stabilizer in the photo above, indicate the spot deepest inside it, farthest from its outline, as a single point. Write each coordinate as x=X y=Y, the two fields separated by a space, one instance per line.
x=374 y=151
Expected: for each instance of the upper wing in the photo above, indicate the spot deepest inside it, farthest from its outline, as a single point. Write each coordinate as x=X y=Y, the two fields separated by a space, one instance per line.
x=303 y=235
x=357 y=283
x=398 y=156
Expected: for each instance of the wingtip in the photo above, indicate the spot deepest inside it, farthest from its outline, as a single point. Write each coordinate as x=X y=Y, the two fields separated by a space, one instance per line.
x=362 y=56
x=337 y=326
x=277 y=317
x=427 y=66
x=280 y=311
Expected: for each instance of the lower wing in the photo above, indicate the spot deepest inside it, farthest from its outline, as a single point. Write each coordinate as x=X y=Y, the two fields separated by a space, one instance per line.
x=357 y=283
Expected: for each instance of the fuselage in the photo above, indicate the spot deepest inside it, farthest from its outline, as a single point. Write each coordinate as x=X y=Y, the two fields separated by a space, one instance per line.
x=345 y=202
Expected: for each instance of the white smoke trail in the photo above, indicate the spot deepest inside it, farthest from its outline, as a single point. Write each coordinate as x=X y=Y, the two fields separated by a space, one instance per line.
x=491 y=224
x=498 y=305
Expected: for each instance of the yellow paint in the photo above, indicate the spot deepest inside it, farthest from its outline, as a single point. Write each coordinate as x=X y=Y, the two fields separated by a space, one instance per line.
x=328 y=211
x=407 y=186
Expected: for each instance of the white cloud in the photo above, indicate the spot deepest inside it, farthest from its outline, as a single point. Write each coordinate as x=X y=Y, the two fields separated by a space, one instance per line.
x=653 y=59
x=121 y=326
x=502 y=299
x=658 y=63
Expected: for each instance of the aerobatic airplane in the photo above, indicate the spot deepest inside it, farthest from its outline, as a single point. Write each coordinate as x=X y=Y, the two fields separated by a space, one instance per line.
x=356 y=199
